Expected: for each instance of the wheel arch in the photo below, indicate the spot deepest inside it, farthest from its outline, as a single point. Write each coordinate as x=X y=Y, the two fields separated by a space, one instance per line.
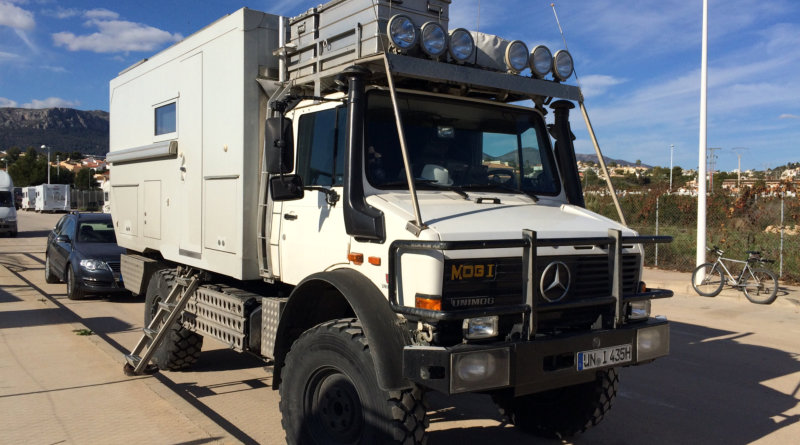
x=345 y=293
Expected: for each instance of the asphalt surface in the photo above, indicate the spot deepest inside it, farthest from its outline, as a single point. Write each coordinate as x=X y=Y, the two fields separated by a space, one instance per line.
x=733 y=375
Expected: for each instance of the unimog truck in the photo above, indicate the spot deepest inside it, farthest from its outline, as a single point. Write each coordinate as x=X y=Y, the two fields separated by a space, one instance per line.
x=375 y=204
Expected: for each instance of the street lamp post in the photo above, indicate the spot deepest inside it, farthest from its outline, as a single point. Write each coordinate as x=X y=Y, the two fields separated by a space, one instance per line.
x=48 y=162
x=671 y=148
x=58 y=168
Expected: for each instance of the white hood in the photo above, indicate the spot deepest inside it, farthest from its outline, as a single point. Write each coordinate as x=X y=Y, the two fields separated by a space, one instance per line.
x=6 y=212
x=457 y=219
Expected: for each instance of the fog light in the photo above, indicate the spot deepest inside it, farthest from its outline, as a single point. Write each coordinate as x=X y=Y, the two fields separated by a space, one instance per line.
x=480 y=327
x=434 y=39
x=402 y=32
x=639 y=310
x=562 y=65
x=462 y=45
x=473 y=371
x=652 y=342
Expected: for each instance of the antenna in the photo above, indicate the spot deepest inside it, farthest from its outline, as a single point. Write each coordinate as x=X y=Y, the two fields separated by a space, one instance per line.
x=564 y=39
x=478 y=22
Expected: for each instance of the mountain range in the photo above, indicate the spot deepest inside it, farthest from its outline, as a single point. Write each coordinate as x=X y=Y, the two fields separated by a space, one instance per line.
x=61 y=129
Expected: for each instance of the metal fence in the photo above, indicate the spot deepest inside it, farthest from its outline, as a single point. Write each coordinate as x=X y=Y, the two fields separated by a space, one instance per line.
x=86 y=199
x=769 y=223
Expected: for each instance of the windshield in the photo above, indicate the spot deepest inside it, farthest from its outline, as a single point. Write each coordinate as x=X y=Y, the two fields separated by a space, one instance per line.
x=96 y=232
x=5 y=199
x=460 y=145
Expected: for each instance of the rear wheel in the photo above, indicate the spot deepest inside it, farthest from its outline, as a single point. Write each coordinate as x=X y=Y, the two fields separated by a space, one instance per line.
x=707 y=280
x=330 y=392
x=761 y=287
x=563 y=412
x=181 y=347
x=74 y=292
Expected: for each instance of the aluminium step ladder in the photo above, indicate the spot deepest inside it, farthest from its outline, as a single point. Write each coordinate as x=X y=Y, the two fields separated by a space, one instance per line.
x=168 y=312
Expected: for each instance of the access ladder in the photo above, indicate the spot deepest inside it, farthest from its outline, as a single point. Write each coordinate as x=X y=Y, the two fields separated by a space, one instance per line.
x=168 y=312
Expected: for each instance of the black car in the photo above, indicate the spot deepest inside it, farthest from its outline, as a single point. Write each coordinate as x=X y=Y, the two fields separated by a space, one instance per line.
x=82 y=250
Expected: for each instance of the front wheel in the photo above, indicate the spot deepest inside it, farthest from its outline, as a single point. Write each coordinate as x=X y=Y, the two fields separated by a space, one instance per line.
x=330 y=392
x=74 y=291
x=711 y=283
x=761 y=286
x=563 y=412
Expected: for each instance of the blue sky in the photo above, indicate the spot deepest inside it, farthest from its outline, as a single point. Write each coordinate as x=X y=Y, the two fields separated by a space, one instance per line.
x=638 y=63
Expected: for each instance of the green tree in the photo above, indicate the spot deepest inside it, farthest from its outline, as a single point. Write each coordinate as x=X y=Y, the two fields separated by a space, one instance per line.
x=84 y=179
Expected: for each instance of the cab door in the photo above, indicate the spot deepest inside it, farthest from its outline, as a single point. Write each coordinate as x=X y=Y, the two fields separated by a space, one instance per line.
x=313 y=236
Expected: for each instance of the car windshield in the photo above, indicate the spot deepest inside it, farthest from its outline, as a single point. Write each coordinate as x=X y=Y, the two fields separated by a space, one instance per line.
x=459 y=145
x=5 y=199
x=96 y=232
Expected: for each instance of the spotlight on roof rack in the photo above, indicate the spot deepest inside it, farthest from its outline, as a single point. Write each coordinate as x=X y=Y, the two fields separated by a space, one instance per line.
x=462 y=45
x=541 y=61
x=434 y=39
x=562 y=65
x=516 y=57
x=402 y=32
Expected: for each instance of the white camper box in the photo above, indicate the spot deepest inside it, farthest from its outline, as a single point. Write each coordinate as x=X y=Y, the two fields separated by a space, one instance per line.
x=28 y=198
x=52 y=198
x=197 y=109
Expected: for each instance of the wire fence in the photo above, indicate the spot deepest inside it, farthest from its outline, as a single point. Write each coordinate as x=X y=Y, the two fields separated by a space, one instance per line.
x=91 y=200
x=768 y=223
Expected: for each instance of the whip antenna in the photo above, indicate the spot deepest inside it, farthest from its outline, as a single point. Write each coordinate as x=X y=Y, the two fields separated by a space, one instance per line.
x=564 y=39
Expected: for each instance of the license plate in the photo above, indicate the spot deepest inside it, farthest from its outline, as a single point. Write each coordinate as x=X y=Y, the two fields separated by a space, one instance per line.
x=598 y=358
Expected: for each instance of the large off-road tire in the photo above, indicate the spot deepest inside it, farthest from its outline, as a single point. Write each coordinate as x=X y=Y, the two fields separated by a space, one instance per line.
x=712 y=282
x=563 y=412
x=181 y=347
x=761 y=287
x=49 y=276
x=330 y=393
x=74 y=291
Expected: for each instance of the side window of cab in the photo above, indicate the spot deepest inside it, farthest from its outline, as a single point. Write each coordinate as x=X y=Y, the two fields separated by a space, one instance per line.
x=321 y=147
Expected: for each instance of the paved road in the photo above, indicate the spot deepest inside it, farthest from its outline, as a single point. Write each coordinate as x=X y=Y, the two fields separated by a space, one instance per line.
x=733 y=375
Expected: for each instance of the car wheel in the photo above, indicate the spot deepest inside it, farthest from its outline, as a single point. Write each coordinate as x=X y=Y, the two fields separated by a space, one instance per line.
x=49 y=276
x=73 y=291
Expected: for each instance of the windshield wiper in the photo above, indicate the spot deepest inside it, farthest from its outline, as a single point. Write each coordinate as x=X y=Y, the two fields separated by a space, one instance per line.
x=503 y=187
x=429 y=182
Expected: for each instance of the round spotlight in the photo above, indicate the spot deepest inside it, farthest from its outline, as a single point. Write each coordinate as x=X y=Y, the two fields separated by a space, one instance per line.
x=516 y=56
x=434 y=39
x=402 y=32
x=462 y=45
x=562 y=65
x=541 y=61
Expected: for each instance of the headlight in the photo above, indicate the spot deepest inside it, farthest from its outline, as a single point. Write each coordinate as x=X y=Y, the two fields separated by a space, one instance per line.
x=480 y=327
x=402 y=32
x=541 y=61
x=562 y=65
x=516 y=56
x=434 y=39
x=639 y=310
x=462 y=45
x=94 y=265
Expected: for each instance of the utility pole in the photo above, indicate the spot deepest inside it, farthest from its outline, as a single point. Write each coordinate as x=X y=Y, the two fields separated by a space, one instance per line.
x=712 y=160
x=739 y=151
x=48 y=162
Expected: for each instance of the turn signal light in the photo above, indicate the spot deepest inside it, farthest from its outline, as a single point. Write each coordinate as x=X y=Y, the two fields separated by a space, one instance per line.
x=356 y=258
x=430 y=302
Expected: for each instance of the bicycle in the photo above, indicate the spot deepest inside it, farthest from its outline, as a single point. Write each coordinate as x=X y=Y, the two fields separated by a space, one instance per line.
x=759 y=284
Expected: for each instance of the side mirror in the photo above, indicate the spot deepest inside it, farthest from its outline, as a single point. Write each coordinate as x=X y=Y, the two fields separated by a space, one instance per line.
x=279 y=145
x=62 y=239
x=286 y=187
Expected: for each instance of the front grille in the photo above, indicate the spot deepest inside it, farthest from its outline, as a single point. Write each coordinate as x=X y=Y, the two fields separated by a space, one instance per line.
x=590 y=276
x=487 y=282
x=114 y=265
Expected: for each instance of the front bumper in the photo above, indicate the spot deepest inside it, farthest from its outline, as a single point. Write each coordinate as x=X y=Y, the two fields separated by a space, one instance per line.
x=8 y=227
x=529 y=366
x=101 y=282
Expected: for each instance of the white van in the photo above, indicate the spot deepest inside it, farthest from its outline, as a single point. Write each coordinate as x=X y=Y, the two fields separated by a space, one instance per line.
x=52 y=198
x=8 y=213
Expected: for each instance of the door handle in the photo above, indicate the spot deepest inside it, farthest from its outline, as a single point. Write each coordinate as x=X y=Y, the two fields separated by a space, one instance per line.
x=289 y=216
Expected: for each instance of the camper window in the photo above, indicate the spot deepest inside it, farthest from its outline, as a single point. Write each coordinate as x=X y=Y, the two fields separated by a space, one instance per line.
x=166 y=119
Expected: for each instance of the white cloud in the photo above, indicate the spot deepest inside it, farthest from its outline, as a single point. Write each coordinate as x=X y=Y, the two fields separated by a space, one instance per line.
x=597 y=84
x=7 y=103
x=62 y=13
x=788 y=116
x=101 y=14
x=16 y=17
x=115 y=35
x=8 y=56
x=51 y=102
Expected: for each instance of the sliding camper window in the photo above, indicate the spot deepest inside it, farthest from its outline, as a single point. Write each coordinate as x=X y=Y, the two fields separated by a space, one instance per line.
x=166 y=119
x=321 y=147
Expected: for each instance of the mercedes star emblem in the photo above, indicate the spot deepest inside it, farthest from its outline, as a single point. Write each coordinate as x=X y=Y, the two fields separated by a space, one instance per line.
x=555 y=281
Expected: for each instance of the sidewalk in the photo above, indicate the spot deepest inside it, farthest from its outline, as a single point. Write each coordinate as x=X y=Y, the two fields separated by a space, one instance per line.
x=56 y=386
x=681 y=284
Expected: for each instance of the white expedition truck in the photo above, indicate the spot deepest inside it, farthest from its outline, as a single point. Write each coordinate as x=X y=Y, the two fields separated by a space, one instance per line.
x=356 y=195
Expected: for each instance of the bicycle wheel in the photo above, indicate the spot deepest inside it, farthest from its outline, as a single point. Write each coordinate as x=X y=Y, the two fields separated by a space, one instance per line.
x=760 y=286
x=711 y=284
